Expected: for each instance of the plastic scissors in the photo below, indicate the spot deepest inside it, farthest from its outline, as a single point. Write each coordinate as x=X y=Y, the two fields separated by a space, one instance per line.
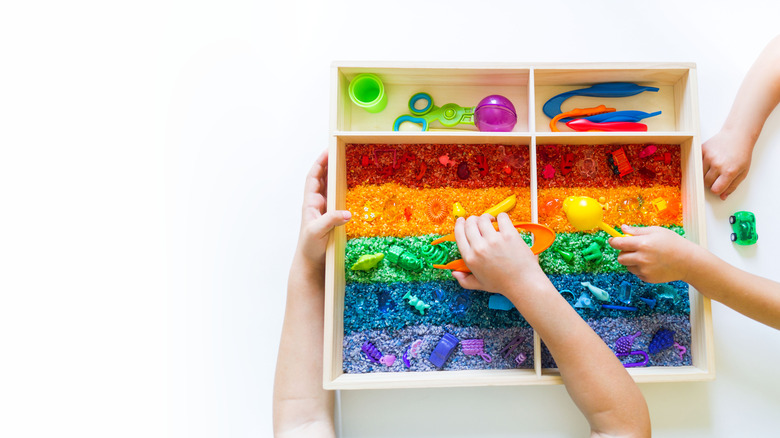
x=543 y=239
x=448 y=115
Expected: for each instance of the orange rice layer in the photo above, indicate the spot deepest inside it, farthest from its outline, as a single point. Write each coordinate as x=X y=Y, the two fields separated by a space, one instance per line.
x=622 y=205
x=429 y=210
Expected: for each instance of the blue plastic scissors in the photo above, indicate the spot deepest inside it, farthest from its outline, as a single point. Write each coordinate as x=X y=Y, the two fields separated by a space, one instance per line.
x=448 y=115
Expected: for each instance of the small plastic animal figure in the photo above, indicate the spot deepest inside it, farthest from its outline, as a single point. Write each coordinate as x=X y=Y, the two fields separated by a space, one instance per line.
x=597 y=292
x=367 y=261
x=416 y=303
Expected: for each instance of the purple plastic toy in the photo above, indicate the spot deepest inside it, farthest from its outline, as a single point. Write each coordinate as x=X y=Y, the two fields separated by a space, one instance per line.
x=495 y=113
x=371 y=351
x=476 y=346
x=509 y=350
x=623 y=344
x=443 y=350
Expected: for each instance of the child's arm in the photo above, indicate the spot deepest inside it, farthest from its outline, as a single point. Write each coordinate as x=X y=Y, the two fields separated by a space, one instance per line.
x=301 y=407
x=659 y=255
x=501 y=262
x=727 y=155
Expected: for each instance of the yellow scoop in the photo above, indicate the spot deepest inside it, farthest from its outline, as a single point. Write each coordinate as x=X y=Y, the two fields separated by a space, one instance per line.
x=585 y=214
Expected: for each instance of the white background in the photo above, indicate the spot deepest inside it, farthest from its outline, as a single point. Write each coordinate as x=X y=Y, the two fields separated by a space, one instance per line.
x=152 y=155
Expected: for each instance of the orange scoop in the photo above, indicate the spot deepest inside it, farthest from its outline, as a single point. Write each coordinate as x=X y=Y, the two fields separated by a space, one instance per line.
x=543 y=238
x=579 y=112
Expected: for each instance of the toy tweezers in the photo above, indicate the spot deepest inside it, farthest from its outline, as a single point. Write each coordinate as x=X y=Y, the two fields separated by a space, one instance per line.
x=552 y=107
x=543 y=238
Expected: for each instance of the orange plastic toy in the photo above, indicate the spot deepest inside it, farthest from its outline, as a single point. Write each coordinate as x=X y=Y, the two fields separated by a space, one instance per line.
x=579 y=112
x=543 y=238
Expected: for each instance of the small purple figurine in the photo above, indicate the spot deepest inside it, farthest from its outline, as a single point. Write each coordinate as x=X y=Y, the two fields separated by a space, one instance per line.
x=443 y=350
x=476 y=346
x=371 y=351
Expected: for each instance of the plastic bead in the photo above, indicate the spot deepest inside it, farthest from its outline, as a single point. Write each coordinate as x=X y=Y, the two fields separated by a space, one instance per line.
x=476 y=347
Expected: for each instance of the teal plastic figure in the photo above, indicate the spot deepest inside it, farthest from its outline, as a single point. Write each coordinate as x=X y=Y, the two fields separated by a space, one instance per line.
x=367 y=261
x=599 y=293
x=405 y=259
x=593 y=253
x=743 y=223
x=417 y=303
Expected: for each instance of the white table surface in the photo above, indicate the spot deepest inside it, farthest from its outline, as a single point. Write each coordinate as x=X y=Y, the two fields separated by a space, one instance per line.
x=152 y=155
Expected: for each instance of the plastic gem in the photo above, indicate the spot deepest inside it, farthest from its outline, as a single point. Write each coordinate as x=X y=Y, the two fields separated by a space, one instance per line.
x=476 y=346
x=646 y=173
x=514 y=161
x=587 y=166
x=384 y=301
x=391 y=210
x=460 y=303
x=659 y=204
x=625 y=292
x=665 y=291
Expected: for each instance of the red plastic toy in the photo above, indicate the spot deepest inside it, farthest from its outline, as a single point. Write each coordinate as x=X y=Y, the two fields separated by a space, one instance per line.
x=587 y=125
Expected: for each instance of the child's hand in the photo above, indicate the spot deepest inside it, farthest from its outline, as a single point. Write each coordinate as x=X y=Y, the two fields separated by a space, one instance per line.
x=316 y=223
x=726 y=158
x=655 y=254
x=498 y=260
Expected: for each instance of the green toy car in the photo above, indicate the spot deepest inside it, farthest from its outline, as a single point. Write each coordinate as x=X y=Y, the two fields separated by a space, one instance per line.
x=744 y=225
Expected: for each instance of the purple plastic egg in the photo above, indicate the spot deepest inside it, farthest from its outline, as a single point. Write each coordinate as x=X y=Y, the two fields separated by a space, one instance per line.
x=495 y=113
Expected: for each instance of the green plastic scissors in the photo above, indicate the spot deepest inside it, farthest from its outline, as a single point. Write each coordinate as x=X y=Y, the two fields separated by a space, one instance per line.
x=448 y=115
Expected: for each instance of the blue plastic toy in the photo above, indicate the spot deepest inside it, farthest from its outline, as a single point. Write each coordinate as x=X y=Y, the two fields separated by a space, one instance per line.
x=611 y=89
x=443 y=350
x=499 y=302
x=621 y=116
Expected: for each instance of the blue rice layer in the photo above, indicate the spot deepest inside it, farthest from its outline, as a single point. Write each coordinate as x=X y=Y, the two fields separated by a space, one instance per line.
x=372 y=306
x=395 y=342
x=610 y=329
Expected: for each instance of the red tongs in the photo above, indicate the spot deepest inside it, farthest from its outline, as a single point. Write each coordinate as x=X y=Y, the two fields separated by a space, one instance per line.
x=543 y=238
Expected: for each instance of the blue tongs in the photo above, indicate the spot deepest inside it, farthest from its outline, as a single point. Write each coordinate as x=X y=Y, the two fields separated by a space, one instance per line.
x=448 y=115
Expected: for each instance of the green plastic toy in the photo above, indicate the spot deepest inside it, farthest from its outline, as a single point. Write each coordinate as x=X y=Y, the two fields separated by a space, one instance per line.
x=448 y=115
x=592 y=253
x=435 y=254
x=405 y=259
x=367 y=261
x=565 y=255
x=743 y=223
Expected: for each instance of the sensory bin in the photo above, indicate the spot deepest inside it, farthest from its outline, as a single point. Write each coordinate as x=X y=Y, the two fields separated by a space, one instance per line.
x=648 y=195
x=402 y=196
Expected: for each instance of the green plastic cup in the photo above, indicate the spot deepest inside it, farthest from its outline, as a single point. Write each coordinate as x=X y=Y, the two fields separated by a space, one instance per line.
x=368 y=92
